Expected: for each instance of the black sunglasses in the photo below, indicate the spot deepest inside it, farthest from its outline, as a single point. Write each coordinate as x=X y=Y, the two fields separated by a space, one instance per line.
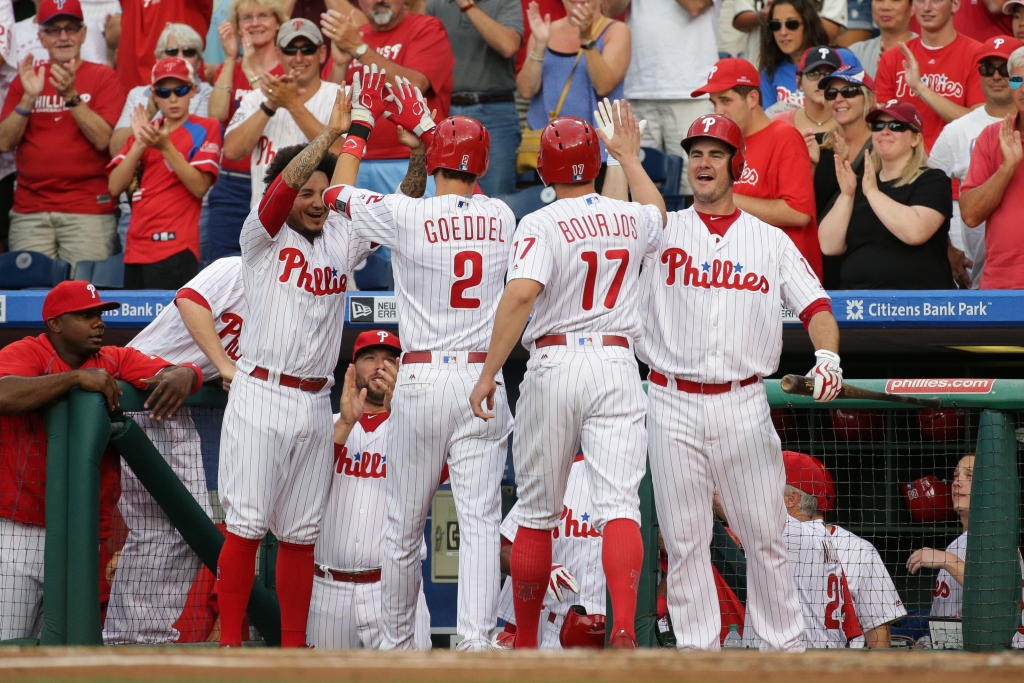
x=894 y=126
x=185 y=52
x=988 y=69
x=792 y=24
x=847 y=91
x=164 y=93
x=305 y=49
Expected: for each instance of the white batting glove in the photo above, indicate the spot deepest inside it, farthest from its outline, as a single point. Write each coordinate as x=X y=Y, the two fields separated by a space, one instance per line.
x=368 y=94
x=407 y=107
x=828 y=376
x=604 y=120
x=560 y=577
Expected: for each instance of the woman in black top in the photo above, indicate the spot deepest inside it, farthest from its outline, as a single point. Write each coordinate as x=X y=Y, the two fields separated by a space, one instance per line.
x=893 y=225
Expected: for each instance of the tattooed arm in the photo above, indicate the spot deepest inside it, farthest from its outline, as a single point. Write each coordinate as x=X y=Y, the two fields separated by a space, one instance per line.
x=301 y=168
x=415 y=182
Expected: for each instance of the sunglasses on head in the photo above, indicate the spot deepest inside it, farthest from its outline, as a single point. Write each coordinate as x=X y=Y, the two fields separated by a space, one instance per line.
x=304 y=49
x=847 y=91
x=185 y=52
x=774 y=25
x=989 y=69
x=164 y=93
x=894 y=126
x=1015 y=82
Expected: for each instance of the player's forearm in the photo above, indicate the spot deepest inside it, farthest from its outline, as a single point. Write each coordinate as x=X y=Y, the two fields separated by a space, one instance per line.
x=772 y=211
x=642 y=187
x=93 y=127
x=824 y=332
x=203 y=330
x=509 y=322
x=833 y=227
x=415 y=182
x=301 y=168
x=615 y=184
x=239 y=142
x=371 y=57
x=121 y=177
x=500 y=38
x=978 y=203
x=24 y=394
x=12 y=129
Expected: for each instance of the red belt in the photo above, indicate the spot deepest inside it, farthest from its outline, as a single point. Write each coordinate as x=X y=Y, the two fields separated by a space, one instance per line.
x=367 y=576
x=312 y=384
x=560 y=340
x=698 y=387
x=427 y=356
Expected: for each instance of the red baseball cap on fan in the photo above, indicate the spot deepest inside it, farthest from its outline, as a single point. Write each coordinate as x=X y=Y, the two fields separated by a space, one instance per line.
x=998 y=46
x=728 y=73
x=172 y=67
x=904 y=112
x=51 y=9
x=807 y=473
x=372 y=338
x=72 y=296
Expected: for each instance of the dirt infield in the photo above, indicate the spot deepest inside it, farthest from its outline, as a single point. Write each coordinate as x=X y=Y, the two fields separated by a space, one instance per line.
x=199 y=665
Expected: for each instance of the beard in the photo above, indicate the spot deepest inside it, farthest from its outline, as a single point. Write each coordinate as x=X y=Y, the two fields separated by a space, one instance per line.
x=373 y=394
x=713 y=195
x=382 y=14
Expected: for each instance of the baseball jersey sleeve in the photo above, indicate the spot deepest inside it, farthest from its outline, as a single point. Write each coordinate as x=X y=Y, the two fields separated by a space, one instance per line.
x=207 y=157
x=23 y=358
x=215 y=287
x=851 y=624
x=135 y=366
x=655 y=228
x=531 y=255
x=372 y=215
x=249 y=105
x=799 y=286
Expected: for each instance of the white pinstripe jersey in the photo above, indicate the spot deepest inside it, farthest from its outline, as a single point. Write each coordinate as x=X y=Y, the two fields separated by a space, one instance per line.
x=874 y=594
x=449 y=255
x=948 y=596
x=586 y=251
x=296 y=294
x=220 y=286
x=280 y=131
x=712 y=307
x=818 y=575
x=576 y=545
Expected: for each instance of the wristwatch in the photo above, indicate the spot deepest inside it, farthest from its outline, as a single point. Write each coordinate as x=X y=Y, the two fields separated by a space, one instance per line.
x=589 y=45
x=361 y=50
x=73 y=102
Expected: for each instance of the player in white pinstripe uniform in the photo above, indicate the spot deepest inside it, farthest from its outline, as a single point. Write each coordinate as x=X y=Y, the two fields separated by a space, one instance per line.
x=449 y=254
x=156 y=567
x=712 y=329
x=346 y=611
x=575 y=266
x=276 y=437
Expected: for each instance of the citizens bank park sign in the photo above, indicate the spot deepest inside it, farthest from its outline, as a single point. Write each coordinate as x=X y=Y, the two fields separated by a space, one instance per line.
x=957 y=308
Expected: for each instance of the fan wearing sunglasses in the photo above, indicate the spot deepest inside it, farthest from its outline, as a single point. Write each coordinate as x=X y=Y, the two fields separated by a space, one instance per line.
x=793 y=27
x=169 y=165
x=893 y=224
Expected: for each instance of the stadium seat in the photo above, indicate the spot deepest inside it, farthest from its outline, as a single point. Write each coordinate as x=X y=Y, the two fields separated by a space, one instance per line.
x=105 y=274
x=666 y=170
x=375 y=273
x=31 y=270
x=529 y=200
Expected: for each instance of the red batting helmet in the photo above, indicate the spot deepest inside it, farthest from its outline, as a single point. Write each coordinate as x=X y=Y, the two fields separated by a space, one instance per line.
x=807 y=473
x=941 y=425
x=858 y=425
x=719 y=128
x=929 y=500
x=569 y=152
x=580 y=629
x=460 y=144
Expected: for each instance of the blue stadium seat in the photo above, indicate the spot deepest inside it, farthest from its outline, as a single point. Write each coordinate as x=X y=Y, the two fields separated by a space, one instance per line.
x=666 y=170
x=529 y=200
x=31 y=270
x=375 y=273
x=105 y=274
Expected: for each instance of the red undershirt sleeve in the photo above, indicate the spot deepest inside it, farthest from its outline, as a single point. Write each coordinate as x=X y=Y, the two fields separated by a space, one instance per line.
x=813 y=309
x=193 y=296
x=275 y=205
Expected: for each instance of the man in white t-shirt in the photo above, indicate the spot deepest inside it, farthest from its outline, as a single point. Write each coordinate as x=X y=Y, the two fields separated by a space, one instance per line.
x=668 y=32
x=291 y=110
x=749 y=15
x=951 y=153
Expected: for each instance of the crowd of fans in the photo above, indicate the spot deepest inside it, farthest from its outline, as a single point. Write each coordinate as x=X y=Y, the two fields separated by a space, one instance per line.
x=883 y=137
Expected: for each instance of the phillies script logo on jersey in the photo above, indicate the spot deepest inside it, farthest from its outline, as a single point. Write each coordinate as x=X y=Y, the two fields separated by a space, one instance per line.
x=365 y=465
x=940 y=83
x=941 y=589
x=319 y=281
x=229 y=335
x=717 y=274
x=574 y=527
x=749 y=176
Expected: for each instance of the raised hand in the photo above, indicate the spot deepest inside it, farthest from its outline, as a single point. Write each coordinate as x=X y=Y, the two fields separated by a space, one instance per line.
x=281 y=92
x=911 y=69
x=407 y=107
x=540 y=27
x=228 y=40
x=1009 y=143
x=62 y=78
x=869 y=183
x=582 y=19
x=812 y=146
x=368 y=95
x=341 y=113
x=846 y=177
x=32 y=80
x=624 y=142
x=140 y=122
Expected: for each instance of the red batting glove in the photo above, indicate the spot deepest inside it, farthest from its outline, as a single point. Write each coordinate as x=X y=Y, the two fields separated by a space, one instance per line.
x=368 y=95
x=407 y=108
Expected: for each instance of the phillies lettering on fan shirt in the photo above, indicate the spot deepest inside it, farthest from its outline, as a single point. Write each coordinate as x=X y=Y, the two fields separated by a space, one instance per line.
x=873 y=592
x=218 y=288
x=280 y=131
x=951 y=71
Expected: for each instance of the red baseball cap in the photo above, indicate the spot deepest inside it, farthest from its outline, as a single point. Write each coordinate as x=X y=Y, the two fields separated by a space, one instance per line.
x=51 y=9
x=805 y=472
x=728 y=73
x=372 y=338
x=901 y=111
x=72 y=296
x=998 y=46
x=172 y=67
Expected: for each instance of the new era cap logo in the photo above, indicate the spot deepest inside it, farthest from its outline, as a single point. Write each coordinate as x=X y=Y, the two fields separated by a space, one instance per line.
x=361 y=310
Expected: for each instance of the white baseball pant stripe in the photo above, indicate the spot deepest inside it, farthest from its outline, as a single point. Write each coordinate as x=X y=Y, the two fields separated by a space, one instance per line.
x=22 y=555
x=350 y=616
x=276 y=457
x=724 y=440
x=157 y=567
x=573 y=396
x=431 y=422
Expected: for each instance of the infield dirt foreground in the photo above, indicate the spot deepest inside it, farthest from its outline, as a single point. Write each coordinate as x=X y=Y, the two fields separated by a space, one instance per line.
x=198 y=665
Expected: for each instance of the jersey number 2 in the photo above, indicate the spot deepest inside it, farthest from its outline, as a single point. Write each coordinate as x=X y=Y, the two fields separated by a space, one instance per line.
x=834 y=595
x=469 y=265
x=590 y=258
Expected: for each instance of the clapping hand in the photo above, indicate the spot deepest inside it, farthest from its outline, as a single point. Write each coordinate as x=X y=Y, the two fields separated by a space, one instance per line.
x=280 y=92
x=32 y=80
x=540 y=27
x=1009 y=143
x=812 y=146
x=228 y=40
x=62 y=78
x=869 y=183
x=581 y=18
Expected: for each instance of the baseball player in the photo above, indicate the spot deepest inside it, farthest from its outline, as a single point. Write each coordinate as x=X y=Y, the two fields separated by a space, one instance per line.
x=576 y=553
x=575 y=266
x=276 y=453
x=156 y=567
x=712 y=314
x=449 y=255
x=346 y=609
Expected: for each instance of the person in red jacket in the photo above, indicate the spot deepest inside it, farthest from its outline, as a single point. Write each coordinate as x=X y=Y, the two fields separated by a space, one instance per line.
x=33 y=372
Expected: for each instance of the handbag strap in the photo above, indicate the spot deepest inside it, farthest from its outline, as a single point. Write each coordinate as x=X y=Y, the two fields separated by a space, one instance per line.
x=568 y=83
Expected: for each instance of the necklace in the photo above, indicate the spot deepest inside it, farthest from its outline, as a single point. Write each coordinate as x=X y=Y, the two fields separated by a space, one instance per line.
x=819 y=125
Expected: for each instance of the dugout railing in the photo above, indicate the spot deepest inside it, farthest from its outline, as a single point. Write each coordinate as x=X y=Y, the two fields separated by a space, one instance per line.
x=871 y=457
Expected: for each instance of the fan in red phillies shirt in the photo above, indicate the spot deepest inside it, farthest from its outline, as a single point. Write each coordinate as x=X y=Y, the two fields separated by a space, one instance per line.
x=978 y=19
x=936 y=72
x=777 y=183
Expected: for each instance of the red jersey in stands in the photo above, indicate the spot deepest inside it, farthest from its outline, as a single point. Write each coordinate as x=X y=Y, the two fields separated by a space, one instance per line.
x=779 y=167
x=23 y=442
x=951 y=71
x=419 y=42
x=142 y=22
x=165 y=214
x=58 y=168
x=239 y=87
x=975 y=21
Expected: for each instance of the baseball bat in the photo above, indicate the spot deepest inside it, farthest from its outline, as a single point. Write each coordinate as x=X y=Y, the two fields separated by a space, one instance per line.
x=804 y=386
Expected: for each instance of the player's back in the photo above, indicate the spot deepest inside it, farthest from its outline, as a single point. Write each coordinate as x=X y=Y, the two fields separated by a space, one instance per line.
x=587 y=252
x=871 y=586
x=818 y=576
